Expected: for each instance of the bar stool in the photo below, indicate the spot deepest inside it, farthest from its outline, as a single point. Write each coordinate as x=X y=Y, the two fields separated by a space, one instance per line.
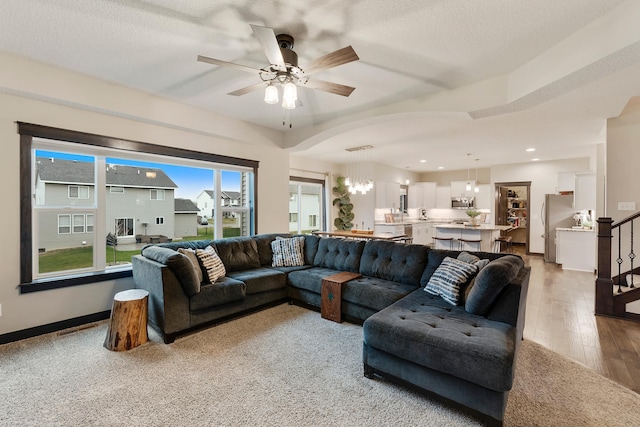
x=443 y=240
x=497 y=244
x=476 y=242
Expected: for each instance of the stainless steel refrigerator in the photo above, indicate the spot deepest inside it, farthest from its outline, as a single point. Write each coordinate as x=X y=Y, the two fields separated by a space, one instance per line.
x=557 y=212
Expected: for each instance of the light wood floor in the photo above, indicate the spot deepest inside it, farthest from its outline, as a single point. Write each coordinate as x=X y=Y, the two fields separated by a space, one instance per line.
x=560 y=316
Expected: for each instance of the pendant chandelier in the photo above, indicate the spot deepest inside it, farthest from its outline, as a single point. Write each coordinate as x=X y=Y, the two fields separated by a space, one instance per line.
x=357 y=179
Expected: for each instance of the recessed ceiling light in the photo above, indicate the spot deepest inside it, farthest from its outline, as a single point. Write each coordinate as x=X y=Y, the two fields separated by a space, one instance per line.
x=535 y=160
x=531 y=149
x=440 y=167
x=423 y=161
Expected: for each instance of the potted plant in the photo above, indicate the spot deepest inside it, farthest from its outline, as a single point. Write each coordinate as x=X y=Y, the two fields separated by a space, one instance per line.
x=473 y=214
x=345 y=207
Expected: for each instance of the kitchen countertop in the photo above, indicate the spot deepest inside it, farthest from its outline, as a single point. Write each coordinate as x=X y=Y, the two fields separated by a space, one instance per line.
x=588 y=230
x=481 y=227
x=416 y=221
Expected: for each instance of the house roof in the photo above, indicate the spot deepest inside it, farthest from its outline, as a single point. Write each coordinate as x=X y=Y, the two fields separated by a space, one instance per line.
x=72 y=171
x=185 y=206
x=233 y=195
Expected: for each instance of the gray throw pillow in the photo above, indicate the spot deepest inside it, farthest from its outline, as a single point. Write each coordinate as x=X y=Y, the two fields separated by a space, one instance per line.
x=465 y=288
x=191 y=254
x=490 y=281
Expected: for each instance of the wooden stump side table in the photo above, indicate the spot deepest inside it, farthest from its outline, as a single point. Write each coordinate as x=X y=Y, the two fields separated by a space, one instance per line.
x=331 y=295
x=128 y=324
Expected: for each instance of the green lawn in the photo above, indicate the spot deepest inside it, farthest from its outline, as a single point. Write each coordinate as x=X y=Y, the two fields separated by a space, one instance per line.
x=82 y=257
x=70 y=259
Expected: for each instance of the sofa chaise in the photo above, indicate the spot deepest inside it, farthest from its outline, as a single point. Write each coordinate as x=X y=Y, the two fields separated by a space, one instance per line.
x=464 y=351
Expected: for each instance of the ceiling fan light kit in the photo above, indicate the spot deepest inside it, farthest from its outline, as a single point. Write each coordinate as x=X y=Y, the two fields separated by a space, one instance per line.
x=283 y=69
x=271 y=94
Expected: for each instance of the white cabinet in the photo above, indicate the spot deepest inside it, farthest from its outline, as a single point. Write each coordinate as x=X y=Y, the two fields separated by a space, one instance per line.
x=389 y=228
x=416 y=196
x=422 y=195
x=443 y=197
x=483 y=197
x=566 y=182
x=576 y=249
x=459 y=188
x=387 y=195
x=584 y=196
x=429 y=189
x=419 y=233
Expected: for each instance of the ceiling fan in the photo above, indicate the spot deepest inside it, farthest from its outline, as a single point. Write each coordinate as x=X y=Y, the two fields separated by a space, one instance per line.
x=283 y=69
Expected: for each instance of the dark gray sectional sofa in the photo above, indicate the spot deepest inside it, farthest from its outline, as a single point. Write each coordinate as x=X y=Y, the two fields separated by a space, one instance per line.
x=409 y=335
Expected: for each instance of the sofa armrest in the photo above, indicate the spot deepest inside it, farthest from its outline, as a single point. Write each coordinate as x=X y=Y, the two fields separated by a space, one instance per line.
x=168 y=304
x=510 y=307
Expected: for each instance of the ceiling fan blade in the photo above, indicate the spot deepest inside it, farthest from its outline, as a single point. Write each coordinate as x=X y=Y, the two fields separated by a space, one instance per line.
x=267 y=39
x=247 y=89
x=228 y=64
x=335 y=88
x=333 y=59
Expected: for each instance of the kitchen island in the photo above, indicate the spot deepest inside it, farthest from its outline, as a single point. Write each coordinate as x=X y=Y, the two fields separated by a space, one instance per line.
x=486 y=233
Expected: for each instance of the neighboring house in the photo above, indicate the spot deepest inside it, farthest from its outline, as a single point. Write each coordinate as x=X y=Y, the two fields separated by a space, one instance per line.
x=205 y=204
x=186 y=218
x=309 y=219
x=230 y=198
x=138 y=201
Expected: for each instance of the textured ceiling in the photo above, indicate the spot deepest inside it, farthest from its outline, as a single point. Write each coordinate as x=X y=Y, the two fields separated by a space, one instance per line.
x=436 y=79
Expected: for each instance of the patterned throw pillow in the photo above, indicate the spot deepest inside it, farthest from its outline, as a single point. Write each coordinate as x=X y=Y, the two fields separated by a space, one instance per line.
x=211 y=263
x=191 y=254
x=447 y=279
x=287 y=252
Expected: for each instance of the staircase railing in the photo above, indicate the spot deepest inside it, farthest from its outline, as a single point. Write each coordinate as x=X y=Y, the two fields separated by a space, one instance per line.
x=614 y=292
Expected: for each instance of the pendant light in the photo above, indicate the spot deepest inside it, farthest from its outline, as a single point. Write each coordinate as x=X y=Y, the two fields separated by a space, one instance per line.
x=476 y=189
x=468 y=186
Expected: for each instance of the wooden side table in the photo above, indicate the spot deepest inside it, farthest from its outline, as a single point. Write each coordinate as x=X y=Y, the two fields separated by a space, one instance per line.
x=331 y=295
x=128 y=324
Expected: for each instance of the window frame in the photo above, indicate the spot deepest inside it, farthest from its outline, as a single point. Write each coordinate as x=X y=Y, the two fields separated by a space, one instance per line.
x=29 y=131
x=323 y=213
x=158 y=192
x=159 y=220
x=78 y=187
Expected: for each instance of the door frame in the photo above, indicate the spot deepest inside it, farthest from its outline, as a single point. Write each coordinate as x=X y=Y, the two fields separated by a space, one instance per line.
x=526 y=184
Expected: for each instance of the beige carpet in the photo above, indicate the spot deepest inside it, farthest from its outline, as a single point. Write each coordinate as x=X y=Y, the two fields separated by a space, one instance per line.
x=284 y=366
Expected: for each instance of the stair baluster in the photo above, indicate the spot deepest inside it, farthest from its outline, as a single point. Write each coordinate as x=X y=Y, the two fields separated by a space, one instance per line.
x=631 y=257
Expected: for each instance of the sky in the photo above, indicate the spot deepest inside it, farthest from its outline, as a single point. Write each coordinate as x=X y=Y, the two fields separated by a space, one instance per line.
x=191 y=181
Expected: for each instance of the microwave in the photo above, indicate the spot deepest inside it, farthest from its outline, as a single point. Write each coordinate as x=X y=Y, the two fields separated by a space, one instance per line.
x=463 y=202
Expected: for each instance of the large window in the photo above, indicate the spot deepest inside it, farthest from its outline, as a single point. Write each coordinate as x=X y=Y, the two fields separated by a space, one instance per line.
x=78 y=190
x=306 y=205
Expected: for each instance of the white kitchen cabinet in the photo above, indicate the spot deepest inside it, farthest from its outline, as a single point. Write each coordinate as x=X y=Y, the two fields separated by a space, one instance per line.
x=422 y=232
x=483 y=197
x=576 y=249
x=416 y=196
x=566 y=182
x=430 y=195
x=443 y=197
x=422 y=195
x=584 y=196
x=459 y=188
x=387 y=195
